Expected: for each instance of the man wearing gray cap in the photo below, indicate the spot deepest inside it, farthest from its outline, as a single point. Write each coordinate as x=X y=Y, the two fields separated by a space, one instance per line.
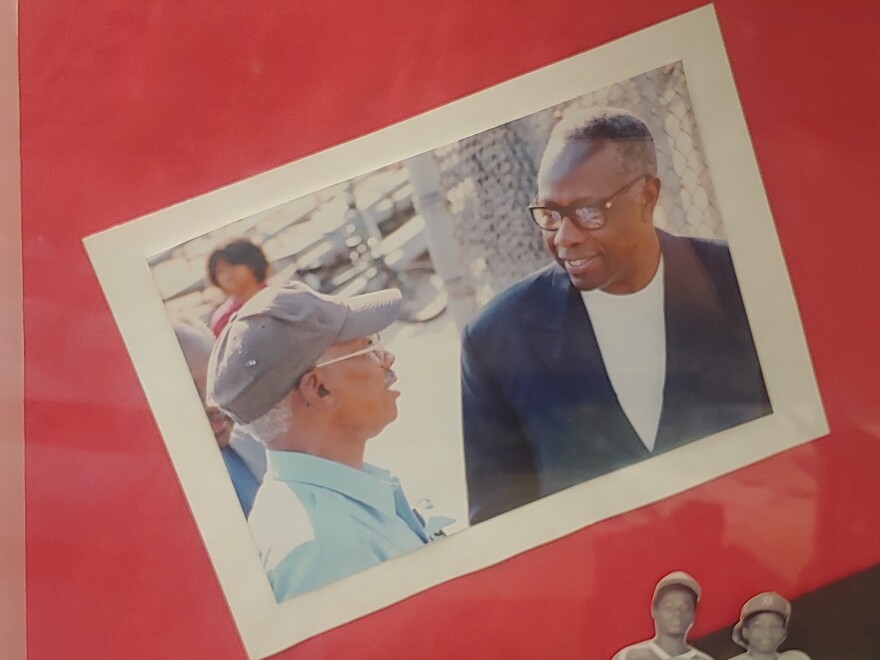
x=306 y=372
x=673 y=608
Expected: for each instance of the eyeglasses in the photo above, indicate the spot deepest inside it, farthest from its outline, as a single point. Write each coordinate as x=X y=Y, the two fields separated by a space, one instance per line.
x=373 y=346
x=586 y=216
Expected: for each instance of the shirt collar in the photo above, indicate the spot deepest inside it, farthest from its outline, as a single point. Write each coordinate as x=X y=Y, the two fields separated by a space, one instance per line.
x=690 y=653
x=370 y=485
x=650 y=294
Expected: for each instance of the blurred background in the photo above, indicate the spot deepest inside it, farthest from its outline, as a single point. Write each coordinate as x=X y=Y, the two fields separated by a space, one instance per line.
x=450 y=228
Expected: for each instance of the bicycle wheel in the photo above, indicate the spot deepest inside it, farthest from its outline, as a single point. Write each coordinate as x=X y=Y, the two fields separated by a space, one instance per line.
x=424 y=296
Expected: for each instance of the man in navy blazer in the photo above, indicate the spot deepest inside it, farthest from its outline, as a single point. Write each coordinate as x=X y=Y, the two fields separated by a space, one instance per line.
x=633 y=342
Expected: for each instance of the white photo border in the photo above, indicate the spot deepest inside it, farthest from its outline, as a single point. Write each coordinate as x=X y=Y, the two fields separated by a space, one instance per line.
x=120 y=258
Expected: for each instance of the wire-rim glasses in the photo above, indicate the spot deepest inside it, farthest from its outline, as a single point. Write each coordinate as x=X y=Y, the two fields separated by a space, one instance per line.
x=374 y=346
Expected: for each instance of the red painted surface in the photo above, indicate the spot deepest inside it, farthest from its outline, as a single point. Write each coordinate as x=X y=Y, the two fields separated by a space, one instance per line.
x=129 y=107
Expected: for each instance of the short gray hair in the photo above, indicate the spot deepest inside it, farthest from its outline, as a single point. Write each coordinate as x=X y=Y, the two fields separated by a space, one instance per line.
x=272 y=424
x=602 y=125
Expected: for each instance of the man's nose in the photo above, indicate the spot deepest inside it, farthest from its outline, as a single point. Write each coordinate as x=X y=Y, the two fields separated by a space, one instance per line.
x=387 y=358
x=568 y=233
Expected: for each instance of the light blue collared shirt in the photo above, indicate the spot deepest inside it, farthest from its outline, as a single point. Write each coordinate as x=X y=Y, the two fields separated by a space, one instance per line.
x=315 y=521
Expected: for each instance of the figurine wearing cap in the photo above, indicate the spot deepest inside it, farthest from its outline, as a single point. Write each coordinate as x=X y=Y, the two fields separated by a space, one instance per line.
x=762 y=627
x=307 y=374
x=673 y=608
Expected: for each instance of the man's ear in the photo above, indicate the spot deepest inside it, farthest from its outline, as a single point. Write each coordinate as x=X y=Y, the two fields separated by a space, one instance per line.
x=313 y=391
x=650 y=195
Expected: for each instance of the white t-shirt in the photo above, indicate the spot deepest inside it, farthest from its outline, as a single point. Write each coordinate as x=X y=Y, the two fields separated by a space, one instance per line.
x=631 y=332
x=649 y=650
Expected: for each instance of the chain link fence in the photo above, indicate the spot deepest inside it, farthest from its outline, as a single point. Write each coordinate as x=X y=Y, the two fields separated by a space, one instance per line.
x=490 y=178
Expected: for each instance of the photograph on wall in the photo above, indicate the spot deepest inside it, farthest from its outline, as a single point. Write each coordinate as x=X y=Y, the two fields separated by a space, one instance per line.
x=769 y=625
x=420 y=353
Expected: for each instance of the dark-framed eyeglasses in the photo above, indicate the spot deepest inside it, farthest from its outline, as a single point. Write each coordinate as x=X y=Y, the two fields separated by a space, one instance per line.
x=586 y=216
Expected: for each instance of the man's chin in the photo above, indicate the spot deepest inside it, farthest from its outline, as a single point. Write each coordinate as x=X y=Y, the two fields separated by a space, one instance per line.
x=580 y=281
x=390 y=418
x=584 y=284
x=675 y=631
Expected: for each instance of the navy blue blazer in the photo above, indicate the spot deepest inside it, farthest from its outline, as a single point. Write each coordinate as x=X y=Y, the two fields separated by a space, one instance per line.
x=539 y=411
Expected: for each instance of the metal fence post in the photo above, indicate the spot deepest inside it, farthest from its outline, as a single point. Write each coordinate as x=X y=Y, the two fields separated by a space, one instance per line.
x=429 y=199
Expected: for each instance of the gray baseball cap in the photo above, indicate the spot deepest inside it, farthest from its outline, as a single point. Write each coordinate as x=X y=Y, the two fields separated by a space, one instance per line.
x=678 y=579
x=278 y=335
x=769 y=601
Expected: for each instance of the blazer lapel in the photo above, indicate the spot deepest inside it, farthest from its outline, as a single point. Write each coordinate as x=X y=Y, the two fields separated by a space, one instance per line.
x=693 y=314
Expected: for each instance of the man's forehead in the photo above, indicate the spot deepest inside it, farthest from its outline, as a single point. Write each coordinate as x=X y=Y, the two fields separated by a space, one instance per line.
x=563 y=157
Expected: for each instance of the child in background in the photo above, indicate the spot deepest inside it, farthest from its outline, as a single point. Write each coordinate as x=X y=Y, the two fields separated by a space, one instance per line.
x=239 y=269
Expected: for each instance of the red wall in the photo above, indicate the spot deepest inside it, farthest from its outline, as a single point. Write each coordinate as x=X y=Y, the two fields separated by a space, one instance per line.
x=12 y=585
x=127 y=107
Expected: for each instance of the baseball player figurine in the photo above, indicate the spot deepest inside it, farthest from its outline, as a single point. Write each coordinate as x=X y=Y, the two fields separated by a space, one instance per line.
x=762 y=627
x=673 y=608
